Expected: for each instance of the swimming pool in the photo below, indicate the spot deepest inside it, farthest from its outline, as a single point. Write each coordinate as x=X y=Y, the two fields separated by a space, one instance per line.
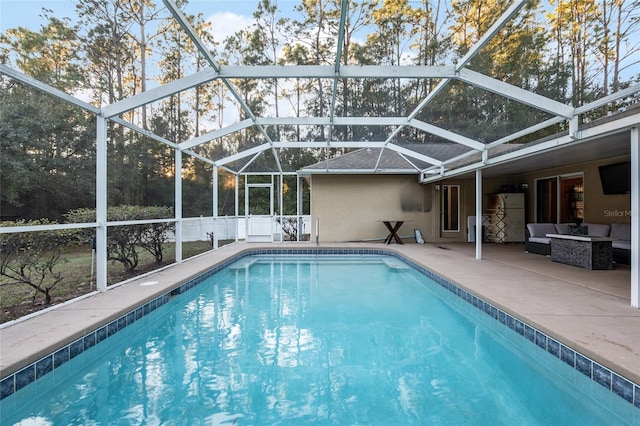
x=266 y=340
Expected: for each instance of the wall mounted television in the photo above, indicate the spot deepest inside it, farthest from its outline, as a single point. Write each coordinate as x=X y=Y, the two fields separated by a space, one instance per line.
x=616 y=178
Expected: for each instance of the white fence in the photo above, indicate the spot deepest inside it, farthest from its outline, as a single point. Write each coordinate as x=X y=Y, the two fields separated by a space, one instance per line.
x=260 y=228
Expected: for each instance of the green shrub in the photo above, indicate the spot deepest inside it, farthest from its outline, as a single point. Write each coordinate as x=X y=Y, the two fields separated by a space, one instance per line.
x=123 y=241
x=31 y=257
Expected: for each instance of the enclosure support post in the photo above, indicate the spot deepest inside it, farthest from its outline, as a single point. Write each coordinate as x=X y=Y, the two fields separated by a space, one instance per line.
x=298 y=209
x=246 y=209
x=215 y=207
x=280 y=194
x=101 y=203
x=178 y=205
x=237 y=207
x=635 y=217
x=478 y=213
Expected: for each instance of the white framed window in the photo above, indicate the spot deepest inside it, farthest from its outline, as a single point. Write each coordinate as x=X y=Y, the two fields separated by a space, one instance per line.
x=450 y=208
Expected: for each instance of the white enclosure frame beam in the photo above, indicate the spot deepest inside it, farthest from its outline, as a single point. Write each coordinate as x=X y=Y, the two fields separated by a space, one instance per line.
x=224 y=72
x=527 y=131
x=158 y=93
x=208 y=137
x=325 y=121
x=246 y=153
x=246 y=166
x=178 y=204
x=214 y=172
x=299 y=199
x=237 y=205
x=479 y=214
x=515 y=93
x=333 y=144
x=329 y=72
x=508 y=15
x=623 y=93
x=144 y=132
x=446 y=134
x=199 y=157
x=101 y=203
x=17 y=75
x=635 y=217
x=414 y=154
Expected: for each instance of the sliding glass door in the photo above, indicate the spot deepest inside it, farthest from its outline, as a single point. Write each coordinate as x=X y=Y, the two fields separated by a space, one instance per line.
x=560 y=199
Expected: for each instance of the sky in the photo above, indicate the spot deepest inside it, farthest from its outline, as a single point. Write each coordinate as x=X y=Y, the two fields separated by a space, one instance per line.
x=228 y=16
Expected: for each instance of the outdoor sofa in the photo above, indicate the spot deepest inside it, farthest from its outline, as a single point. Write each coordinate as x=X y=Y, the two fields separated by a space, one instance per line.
x=536 y=240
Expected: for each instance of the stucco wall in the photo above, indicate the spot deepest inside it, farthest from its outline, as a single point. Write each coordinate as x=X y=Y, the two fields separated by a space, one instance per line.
x=350 y=207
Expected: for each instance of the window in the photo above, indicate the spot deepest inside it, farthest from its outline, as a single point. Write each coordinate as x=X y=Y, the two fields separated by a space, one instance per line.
x=450 y=208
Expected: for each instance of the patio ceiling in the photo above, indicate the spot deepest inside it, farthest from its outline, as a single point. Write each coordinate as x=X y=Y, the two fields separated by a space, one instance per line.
x=473 y=154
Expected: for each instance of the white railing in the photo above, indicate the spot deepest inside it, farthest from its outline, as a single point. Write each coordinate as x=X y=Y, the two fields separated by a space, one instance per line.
x=235 y=228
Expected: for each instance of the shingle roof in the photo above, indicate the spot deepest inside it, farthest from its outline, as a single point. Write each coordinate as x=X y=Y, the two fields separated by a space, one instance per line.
x=365 y=160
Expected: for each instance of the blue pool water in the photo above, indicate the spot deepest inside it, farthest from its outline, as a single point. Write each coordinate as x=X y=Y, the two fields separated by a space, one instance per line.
x=326 y=340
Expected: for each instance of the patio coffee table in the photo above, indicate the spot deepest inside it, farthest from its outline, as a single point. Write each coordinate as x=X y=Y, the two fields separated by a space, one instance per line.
x=582 y=250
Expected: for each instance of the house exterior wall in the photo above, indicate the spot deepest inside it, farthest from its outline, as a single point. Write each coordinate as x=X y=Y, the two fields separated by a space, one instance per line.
x=351 y=207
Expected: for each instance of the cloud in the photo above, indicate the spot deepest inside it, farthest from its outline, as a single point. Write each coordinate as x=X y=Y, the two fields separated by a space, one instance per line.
x=225 y=24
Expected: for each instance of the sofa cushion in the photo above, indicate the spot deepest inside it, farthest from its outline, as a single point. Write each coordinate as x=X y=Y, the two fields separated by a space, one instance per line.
x=537 y=230
x=597 y=229
x=620 y=231
x=540 y=240
x=621 y=244
x=564 y=228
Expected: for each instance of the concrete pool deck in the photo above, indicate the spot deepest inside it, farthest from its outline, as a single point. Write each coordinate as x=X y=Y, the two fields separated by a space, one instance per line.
x=588 y=311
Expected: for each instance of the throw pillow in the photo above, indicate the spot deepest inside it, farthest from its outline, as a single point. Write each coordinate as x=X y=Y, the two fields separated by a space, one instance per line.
x=578 y=230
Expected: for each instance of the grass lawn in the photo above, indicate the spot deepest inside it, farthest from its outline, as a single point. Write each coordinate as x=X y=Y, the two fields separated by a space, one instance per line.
x=17 y=300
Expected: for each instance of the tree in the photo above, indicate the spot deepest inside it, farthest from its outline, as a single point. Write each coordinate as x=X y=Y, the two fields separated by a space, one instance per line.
x=142 y=13
x=618 y=20
x=110 y=55
x=477 y=113
x=47 y=145
x=315 y=32
x=266 y=39
x=430 y=44
x=296 y=54
x=393 y=20
x=574 y=23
